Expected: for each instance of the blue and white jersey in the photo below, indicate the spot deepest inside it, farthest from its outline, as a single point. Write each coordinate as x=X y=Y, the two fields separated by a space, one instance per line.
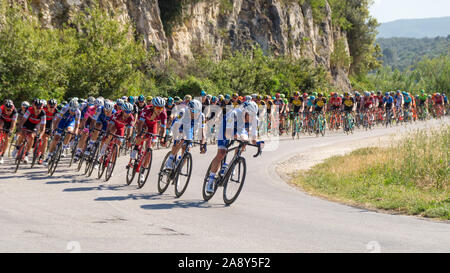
x=65 y=114
x=100 y=115
x=185 y=127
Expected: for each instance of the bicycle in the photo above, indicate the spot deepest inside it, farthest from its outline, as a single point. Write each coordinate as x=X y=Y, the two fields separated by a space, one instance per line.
x=349 y=123
x=136 y=165
x=228 y=179
x=108 y=160
x=54 y=160
x=21 y=149
x=297 y=125
x=38 y=142
x=166 y=176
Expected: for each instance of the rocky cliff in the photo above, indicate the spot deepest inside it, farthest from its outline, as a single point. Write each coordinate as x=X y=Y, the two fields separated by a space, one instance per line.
x=278 y=26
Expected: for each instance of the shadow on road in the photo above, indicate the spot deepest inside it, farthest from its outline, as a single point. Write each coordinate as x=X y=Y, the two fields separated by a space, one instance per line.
x=154 y=196
x=97 y=188
x=184 y=205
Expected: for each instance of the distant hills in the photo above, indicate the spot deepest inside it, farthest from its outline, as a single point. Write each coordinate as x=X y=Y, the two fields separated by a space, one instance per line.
x=415 y=28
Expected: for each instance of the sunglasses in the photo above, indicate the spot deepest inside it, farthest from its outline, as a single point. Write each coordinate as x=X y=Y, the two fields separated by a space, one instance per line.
x=195 y=111
x=127 y=112
x=158 y=108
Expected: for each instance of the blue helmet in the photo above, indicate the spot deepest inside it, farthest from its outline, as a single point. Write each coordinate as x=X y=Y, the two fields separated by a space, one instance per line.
x=203 y=93
x=141 y=98
x=131 y=99
x=158 y=102
x=170 y=101
x=127 y=107
x=119 y=102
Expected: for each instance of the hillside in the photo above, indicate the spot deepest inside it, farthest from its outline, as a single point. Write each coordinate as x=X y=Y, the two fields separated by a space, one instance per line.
x=401 y=53
x=415 y=28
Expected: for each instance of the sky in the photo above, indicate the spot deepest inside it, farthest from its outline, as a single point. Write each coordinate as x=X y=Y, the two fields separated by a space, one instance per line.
x=391 y=10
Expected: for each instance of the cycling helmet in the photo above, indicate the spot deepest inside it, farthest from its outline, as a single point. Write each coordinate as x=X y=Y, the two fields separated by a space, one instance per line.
x=44 y=103
x=170 y=101
x=209 y=97
x=367 y=93
x=73 y=105
x=141 y=98
x=127 y=107
x=187 y=97
x=312 y=97
x=248 y=98
x=227 y=97
x=320 y=95
x=109 y=106
x=282 y=96
x=386 y=94
x=38 y=103
x=277 y=94
x=195 y=106
x=305 y=95
x=203 y=93
x=9 y=104
x=124 y=98
x=25 y=104
x=346 y=94
x=149 y=99
x=131 y=99
x=158 y=102
x=90 y=101
x=52 y=102
x=98 y=102
x=221 y=97
x=235 y=95
x=296 y=94
x=119 y=102
x=254 y=96
x=214 y=99
x=314 y=94
x=177 y=99
x=438 y=94
x=250 y=107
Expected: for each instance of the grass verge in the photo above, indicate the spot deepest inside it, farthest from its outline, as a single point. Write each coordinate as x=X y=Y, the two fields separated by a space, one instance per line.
x=409 y=177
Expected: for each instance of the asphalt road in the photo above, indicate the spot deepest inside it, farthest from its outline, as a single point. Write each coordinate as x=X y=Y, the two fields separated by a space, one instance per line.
x=69 y=212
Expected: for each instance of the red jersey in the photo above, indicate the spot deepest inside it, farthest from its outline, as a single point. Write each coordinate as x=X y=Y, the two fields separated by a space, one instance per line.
x=336 y=101
x=121 y=123
x=10 y=117
x=35 y=118
x=49 y=115
x=147 y=115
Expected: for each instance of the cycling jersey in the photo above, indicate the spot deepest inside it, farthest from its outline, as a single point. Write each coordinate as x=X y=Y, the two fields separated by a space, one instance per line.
x=68 y=120
x=49 y=118
x=151 y=121
x=336 y=101
x=297 y=102
x=33 y=119
x=101 y=117
x=7 y=119
x=438 y=100
x=348 y=104
x=367 y=102
x=389 y=101
x=319 y=103
x=120 y=122
x=187 y=126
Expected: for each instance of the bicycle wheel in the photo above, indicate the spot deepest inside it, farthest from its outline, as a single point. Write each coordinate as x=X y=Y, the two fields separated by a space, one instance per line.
x=206 y=195
x=80 y=162
x=145 y=171
x=55 y=159
x=183 y=175
x=164 y=176
x=19 y=156
x=74 y=151
x=234 y=181
x=36 y=152
x=131 y=172
x=111 y=161
x=322 y=126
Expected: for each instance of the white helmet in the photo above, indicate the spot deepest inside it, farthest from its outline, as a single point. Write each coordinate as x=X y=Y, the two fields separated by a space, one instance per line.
x=74 y=105
x=250 y=107
x=109 y=106
x=90 y=100
x=98 y=102
x=195 y=105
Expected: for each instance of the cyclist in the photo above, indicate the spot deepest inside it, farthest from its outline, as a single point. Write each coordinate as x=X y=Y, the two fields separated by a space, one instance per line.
x=141 y=104
x=101 y=118
x=8 y=119
x=68 y=119
x=296 y=104
x=438 y=104
x=236 y=123
x=21 y=112
x=281 y=110
x=320 y=103
x=335 y=105
x=189 y=123
x=33 y=118
x=149 y=119
x=388 y=102
x=50 y=113
x=117 y=124
x=87 y=123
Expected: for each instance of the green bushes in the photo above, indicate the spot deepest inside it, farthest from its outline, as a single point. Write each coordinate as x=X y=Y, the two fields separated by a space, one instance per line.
x=94 y=56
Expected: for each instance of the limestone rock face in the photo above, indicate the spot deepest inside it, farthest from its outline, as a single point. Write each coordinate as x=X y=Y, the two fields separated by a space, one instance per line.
x=279 y=26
